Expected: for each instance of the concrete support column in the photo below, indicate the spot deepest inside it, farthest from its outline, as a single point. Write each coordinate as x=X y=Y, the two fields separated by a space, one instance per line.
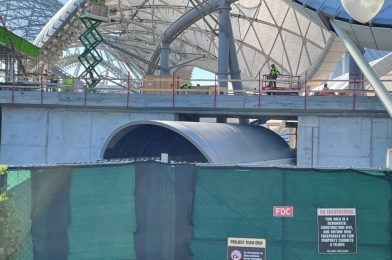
x=221 y=119
x=164 y=60
x=188 y=117
x=223 y=55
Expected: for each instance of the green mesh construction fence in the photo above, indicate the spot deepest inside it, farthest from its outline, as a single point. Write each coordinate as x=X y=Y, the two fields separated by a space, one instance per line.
x=17 y=218
x=172 y=211
x=50 y=211
x=164 y=195
x=70 y=212
x=102 y=209
x=20 y=184
x=238 y=202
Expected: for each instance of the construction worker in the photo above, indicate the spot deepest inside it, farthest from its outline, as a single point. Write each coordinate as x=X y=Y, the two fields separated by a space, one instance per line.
x=68 y=84
x=186 y=85
x=326 y=91
x=273 y=75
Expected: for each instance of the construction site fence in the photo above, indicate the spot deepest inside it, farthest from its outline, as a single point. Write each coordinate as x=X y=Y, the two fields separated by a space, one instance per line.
x=153 y=210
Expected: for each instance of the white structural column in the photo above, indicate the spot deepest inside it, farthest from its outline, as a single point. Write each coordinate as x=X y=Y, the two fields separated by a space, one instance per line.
x=367 y=70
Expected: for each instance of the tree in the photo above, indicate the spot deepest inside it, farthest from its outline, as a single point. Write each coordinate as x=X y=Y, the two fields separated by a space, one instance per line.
x=10 y=233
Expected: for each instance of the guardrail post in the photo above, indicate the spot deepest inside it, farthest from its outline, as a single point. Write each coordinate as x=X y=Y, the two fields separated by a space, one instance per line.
x=128 y=89
x=13 y=92
x=305 y=96
x=85 y=94
x=173 y=91
x=42 y=89
x=259 y=88
x=215 y=93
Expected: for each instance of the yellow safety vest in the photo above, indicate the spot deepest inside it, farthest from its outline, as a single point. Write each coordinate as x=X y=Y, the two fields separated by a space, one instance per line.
x=274 y=71
x=187 y=85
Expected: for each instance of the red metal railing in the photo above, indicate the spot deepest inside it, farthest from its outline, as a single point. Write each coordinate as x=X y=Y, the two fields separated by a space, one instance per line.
x=286 y=85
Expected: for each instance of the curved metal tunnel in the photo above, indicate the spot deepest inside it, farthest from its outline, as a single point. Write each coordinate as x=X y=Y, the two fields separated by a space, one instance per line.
x=197 y=142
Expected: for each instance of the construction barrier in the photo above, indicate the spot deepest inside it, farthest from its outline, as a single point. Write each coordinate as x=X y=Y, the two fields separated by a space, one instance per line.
x=152 y=210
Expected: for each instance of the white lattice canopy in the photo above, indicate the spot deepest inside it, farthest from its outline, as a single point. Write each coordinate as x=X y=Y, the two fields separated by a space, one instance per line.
x=266 y=32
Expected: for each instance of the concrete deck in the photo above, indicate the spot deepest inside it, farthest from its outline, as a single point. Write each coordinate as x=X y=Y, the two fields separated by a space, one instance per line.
x=208 y=105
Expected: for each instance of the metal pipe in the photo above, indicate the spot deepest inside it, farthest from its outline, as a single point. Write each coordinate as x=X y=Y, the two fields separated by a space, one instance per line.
x=223 y=51
x=367 y=70
x=164 y=61
x=235 y=72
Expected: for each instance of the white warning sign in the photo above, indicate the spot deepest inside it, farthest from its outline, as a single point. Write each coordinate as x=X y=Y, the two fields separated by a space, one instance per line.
x=337 y=231
x=246 y=248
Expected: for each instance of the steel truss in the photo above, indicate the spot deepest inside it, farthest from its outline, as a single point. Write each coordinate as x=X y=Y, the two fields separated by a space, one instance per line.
x=26 y=18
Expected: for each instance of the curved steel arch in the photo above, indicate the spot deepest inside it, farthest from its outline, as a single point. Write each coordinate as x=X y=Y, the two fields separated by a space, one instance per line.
x=179 y=26
x=218 y=143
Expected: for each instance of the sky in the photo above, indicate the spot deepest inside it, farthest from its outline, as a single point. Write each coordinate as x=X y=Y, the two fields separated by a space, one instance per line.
x=202 y=74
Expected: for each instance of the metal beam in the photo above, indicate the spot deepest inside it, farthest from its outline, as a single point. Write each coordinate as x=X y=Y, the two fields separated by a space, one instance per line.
x=164 y=61
x=235 y=72
x=188 y=61
x=114 y=46
x=179 y=26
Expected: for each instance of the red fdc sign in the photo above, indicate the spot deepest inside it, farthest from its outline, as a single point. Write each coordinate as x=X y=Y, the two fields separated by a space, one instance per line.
x=284 y=211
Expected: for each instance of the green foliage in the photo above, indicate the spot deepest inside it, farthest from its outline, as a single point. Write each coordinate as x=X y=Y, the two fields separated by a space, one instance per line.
x=3 y=169
x=98 y=2
x=10 y=233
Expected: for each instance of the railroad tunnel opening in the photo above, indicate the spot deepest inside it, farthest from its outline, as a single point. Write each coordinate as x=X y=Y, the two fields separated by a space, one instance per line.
x=149 y=141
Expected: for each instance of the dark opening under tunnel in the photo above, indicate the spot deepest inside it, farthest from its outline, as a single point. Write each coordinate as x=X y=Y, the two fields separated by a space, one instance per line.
x=197 y=142
x=150 y=141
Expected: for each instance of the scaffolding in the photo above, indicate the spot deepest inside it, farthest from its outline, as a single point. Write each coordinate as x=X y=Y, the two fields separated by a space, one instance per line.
x=17 y=56
x=8 y=38
x=91 y=38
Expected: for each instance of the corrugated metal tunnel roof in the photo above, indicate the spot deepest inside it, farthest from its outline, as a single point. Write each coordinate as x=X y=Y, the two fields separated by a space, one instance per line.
x=197 y=142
